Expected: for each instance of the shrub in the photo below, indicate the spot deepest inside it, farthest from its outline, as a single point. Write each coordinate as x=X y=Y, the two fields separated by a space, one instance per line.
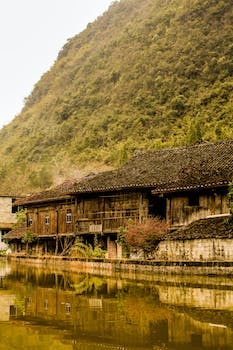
x=83 y=250
x=145 y=236
x=29 y=236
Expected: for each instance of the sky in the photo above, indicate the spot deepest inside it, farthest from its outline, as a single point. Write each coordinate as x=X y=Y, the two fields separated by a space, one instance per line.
x=32 y=32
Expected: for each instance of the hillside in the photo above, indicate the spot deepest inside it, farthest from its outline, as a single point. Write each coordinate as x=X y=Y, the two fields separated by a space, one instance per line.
x=145 y=75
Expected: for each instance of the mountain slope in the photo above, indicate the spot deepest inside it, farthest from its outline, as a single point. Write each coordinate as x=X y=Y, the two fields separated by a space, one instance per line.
x=146 y=74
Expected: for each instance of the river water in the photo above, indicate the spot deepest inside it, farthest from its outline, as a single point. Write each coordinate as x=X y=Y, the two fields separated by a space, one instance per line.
x=51 y=309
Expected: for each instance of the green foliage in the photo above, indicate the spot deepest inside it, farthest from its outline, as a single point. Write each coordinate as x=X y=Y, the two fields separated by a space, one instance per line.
x=29 y=236
x=145 y=75
x=20 y=305
x=3 y=253
x=41 y=179
x=121 y=239
x=83 y=250
x=88 y=284
x=195 y=132
x=21 y=217
x=21 y=220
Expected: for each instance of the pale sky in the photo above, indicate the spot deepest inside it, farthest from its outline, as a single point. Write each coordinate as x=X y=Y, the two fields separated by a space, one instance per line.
x=32 y=32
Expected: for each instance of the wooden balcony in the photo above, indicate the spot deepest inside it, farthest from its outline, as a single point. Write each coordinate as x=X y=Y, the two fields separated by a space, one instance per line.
x=109 y=222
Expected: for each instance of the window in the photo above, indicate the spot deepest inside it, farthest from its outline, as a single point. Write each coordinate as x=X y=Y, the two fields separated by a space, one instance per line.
x=193 y=199
x=14 y=209
x=68 y=216
x=47 y=220
x=46 y=304
x=68 y=308
x=30 y=222
x=127 y=213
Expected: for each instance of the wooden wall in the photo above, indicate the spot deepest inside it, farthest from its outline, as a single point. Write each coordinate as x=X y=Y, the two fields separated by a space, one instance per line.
x=51 y=219
x=106 y=212
x=185 y=208
x=103 y=212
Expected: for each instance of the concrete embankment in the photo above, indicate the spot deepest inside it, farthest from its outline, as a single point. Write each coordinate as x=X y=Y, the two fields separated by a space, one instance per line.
x=106 y=266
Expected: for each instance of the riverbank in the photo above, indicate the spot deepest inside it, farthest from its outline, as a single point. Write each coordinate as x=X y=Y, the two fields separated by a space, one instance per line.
x=207 y=268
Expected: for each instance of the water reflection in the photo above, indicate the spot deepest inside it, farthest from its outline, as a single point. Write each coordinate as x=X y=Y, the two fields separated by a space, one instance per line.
x=45 y=309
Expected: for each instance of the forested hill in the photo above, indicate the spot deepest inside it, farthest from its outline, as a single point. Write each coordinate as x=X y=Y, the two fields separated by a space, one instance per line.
x=144 y=75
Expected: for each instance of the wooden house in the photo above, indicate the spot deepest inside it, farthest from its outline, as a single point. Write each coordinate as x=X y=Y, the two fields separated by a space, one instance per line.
x=180 y=185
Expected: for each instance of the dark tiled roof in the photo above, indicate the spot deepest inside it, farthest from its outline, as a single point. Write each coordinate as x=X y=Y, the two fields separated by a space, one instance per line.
x=215 y=227
x=57 y=193
x=17 y=233
x=176 y=169
x=204 y=165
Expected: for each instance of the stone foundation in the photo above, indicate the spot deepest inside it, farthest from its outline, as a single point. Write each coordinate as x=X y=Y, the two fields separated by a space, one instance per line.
x=196 y=250
x=132 y=268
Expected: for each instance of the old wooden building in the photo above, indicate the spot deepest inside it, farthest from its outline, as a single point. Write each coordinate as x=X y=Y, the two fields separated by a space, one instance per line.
x=180 y=185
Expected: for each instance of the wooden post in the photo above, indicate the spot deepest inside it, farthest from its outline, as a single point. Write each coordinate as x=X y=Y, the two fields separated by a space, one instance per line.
x=56 y=248
x=141 y=212
x=45 y=247
x=57 y=230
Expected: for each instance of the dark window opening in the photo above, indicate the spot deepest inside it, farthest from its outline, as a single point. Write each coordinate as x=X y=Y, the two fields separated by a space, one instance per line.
x=13 y=311
x=14 y=210
x=157 y=206
x=196 y=339
x=127 y=213
x=194 y=199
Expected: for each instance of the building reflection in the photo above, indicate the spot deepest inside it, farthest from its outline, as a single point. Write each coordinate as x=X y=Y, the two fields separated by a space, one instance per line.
x=7 y=300
x=123 y=314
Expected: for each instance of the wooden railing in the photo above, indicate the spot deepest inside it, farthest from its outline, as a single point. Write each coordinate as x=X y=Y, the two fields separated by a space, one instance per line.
x=104 y=224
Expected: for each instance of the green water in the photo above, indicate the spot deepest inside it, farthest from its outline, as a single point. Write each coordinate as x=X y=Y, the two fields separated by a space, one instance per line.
x=47 y=309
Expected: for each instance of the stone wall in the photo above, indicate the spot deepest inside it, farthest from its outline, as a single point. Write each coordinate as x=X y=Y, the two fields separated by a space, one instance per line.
x=215 y=249
x=197 y=297
x=133 y=268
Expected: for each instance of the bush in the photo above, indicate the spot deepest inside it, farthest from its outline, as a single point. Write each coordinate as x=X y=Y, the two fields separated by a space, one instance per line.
x=145 y=236
x=83 y=250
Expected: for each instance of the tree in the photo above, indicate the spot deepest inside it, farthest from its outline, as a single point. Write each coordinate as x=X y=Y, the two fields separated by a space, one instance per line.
x=194 y=134
x=42 y=178
x=21 y=222
x=21 y=217
x=28 y=238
